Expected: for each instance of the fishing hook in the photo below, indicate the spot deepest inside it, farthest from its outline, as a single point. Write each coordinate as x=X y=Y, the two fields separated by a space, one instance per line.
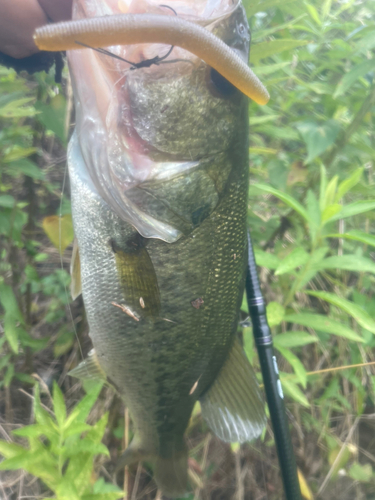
x=142 y=64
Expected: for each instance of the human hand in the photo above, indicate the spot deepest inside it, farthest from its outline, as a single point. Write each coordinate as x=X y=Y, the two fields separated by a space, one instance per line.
x=20 y=18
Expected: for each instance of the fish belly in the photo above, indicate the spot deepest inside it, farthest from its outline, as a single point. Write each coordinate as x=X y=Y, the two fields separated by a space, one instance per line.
x=162 y=364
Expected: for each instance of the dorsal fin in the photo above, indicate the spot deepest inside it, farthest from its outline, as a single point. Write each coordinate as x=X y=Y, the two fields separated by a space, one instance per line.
x=75 y=272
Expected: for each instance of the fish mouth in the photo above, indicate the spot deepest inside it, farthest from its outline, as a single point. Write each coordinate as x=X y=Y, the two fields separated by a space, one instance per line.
x=120 y=117
x=203 y=12
x=197 y=10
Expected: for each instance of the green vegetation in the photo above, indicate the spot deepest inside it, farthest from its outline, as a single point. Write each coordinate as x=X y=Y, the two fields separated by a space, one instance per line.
x=64 y=462
x=311 y=212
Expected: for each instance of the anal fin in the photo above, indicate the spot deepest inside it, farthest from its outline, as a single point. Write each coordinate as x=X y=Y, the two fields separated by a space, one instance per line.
x=89 y=369
x=233 y=406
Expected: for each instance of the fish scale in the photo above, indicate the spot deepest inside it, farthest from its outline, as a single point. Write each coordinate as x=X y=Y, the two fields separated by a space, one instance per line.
x=163 y=315
x=216 y=276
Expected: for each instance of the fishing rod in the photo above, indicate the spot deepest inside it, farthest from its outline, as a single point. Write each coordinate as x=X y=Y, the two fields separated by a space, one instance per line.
x=272 y=384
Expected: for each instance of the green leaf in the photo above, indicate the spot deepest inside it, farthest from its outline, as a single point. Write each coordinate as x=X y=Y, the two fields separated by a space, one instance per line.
x=313 y=13
x=323 y=324
x=59 y=230
x=13 y=319
x=79 y=471
x=296 y=364
x=26 y=167
x=263 y=33
x=330 y=211
x=64 y=342
x=97 y=431
x=39 y=462
x=367 y=239
x=112 y=495
x=361 y=316
x=293 y=390
x=52 y=115
x=9 y=375
x=354 y=263
x=266 y=259
x=330 y=192
x=17 y=152
x=348 y=184
x=7 y=201
x=275 y=313
x=66 y=490
x=262 y=151
x=24 y=377
x=248 y=343
x=10 y=450
x=310 y=271
x=84 y=446
x=74 y=429
x=41 y=415
x=358 y=207
x=367 y=40
x=297 y=258
x=59 y=405
x=9 y=302
x=286 y=198
x=4 y=360
x=36 y=430
x=268 y=69
x=255 y=120
x=263 y=50
x=82 y=409
x=318 y=138
x=18 y=108
x=102 y=487
x=11 y=332
x=363 y=473
x=293 y=339
x=313 y=209
x=354 y=74
x=252 y=7
x=323 y=187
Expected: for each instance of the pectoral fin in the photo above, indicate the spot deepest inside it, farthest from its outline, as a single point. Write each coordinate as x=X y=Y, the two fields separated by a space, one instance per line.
x=75 y=272
x=233 y=407
x=138 y=281
x=89 y=369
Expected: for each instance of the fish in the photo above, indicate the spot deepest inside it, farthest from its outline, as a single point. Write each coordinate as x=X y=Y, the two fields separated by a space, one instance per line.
x=159 y=174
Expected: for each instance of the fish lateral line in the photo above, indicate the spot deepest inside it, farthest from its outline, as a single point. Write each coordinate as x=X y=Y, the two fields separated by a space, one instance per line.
x=130 y=29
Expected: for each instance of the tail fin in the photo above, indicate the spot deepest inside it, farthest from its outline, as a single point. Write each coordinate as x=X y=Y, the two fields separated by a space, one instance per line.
x=171 y=474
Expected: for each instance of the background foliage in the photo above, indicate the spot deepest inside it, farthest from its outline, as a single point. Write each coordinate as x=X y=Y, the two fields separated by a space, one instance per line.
x=311 y=213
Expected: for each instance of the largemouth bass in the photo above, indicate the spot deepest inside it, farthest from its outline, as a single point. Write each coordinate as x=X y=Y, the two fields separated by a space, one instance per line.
x=158 y=167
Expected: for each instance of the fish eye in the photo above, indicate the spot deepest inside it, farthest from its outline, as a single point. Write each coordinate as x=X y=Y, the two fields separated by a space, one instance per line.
x=221 y=84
